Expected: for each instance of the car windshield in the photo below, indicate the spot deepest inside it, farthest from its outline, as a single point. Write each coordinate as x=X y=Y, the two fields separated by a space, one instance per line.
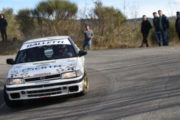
x=45 y=53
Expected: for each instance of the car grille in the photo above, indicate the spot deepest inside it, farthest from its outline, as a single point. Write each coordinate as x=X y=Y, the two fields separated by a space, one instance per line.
x=45 y=92
x=50 y=77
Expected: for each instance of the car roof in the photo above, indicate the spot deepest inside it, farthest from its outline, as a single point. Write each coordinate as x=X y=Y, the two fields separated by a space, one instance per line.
x=47 y=38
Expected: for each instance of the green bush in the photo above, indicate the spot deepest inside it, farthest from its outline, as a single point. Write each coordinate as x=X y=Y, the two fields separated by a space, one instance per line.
x=58 y=17
x=172 y=35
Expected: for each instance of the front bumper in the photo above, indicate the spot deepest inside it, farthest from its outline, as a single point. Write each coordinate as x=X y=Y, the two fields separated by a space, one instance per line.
x=45 y=89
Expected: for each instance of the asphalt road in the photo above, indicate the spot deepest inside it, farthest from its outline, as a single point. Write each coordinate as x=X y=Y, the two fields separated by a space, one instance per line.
x=127 y=84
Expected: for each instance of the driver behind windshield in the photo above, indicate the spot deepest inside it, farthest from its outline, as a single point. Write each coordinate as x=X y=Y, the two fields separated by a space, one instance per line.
x=60 y=52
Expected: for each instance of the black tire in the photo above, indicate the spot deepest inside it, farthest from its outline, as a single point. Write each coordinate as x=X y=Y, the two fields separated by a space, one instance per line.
x=10 y=103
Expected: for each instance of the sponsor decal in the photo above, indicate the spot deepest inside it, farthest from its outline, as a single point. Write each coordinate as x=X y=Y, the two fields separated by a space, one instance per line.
x=59 y=71
x=25 y=73
x=43 y=43
x=42 y=74
x=37 y=68
x=18 y=67
x=45 y=96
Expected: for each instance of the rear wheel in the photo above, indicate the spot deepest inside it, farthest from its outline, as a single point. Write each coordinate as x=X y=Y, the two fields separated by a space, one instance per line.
x=11 y=103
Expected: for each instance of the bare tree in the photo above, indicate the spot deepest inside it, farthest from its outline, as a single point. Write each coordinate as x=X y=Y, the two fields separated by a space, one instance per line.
x=124 y=7
x=134 y=11
x=172 y=8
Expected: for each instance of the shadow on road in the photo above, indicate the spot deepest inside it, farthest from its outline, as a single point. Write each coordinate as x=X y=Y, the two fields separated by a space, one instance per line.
x=125 y=102
x=31 y=104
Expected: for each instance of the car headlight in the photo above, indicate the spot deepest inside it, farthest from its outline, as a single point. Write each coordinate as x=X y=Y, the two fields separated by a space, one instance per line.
x=17 y=81
x=73 y=74
x=78 y=73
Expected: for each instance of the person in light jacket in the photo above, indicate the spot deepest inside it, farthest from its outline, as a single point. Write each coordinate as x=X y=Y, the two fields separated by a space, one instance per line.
x=88 y=36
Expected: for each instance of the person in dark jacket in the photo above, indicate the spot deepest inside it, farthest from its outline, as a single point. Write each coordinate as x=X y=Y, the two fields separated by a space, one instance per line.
x=177 y=24
x=3 y=26
x=145 y=28
x=157 y=28
x=164 y=25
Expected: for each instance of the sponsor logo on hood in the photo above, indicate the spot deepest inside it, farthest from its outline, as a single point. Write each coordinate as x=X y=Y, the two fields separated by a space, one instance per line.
x=28 y=70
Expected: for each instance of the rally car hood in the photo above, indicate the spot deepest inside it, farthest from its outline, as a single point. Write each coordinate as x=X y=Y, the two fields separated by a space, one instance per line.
x=43 y=68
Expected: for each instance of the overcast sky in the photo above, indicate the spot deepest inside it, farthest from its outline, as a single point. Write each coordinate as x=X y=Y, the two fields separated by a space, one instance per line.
x=132 y=8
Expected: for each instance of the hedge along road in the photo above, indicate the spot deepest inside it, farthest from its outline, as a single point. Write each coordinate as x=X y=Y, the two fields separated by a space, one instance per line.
x=125 y=84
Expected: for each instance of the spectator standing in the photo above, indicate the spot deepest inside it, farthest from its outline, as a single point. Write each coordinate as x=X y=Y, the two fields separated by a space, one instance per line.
x=88 y=35
x=157 y=28
x=3 y=26
x=145 y=28
x=177 y=24
x=163 y=25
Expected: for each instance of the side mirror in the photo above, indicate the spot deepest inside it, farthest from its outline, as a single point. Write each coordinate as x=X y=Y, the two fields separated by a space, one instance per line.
x=82 y=53
x=10 y=61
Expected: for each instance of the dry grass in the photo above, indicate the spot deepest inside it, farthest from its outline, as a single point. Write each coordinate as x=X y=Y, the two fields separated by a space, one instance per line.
x=9 y=47
x=126 y=36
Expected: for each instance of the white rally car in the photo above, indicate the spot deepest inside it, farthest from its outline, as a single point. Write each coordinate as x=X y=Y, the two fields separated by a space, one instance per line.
x=46 y=67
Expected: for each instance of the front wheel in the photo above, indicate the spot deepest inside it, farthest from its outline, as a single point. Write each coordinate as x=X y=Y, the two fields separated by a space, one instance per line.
x=85 y=86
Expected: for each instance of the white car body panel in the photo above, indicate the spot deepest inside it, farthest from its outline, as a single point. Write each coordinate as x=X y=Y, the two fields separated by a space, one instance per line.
x=45 y=68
